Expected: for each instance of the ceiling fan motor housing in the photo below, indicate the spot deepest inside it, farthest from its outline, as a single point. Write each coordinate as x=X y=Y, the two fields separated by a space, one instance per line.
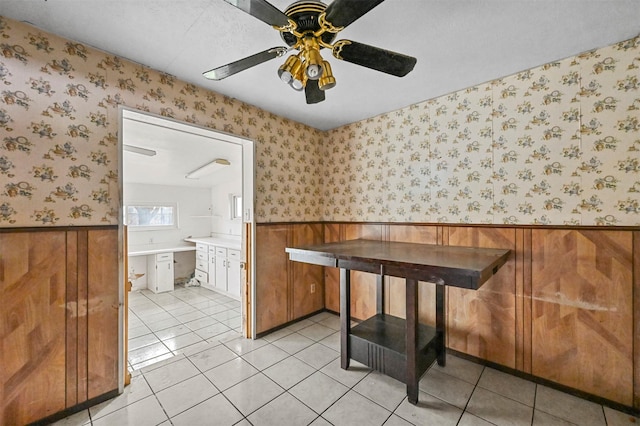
x=305 y=14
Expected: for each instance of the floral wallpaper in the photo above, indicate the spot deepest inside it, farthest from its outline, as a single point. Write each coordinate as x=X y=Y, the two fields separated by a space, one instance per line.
x=59 y=132
x=558 y=144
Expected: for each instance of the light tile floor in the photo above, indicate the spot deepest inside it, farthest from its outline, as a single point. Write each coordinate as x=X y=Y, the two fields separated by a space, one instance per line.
x=167 y=324
x=293 y=377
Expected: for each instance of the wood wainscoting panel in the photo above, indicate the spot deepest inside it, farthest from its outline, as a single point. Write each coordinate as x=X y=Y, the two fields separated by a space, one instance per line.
x=32 y=326
x=305 y=275
x=363 y=285
x=395 y=294
x=272 y=276
x=102 y=311
x=332 y=275
x=582 y=309
x=482 y=323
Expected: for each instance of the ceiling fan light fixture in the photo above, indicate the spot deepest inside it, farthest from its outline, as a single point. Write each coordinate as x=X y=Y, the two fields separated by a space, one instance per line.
x=299 y=79
x=297 y=85
x=327 y=81
x=314 y=71
x=289 y=68
x=312 y=58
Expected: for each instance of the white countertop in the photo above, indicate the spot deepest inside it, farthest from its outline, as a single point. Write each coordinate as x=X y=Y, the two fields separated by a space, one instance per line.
x=228 y=242
x=146 y=249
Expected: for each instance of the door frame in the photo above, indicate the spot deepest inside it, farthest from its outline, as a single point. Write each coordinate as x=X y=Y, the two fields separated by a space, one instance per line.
x=248 y=217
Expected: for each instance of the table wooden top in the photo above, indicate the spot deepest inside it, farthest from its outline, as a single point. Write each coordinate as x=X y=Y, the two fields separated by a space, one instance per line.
x=467 y=267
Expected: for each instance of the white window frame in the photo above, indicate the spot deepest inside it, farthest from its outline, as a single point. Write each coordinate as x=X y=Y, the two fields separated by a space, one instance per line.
x=234 y=211
x=172 y=205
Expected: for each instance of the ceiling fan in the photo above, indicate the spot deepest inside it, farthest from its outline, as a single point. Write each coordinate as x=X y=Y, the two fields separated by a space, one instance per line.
x=307 y=27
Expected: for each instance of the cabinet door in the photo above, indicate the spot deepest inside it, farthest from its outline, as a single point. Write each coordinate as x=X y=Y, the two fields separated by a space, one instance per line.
x=160 y=272
x=233 y=272
x=164 y=276
x=221 y=271
x=212 y=270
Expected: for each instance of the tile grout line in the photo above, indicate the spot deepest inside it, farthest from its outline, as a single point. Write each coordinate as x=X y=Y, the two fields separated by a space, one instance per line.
x=153 y=392
x=535 y=396
x=475 y=386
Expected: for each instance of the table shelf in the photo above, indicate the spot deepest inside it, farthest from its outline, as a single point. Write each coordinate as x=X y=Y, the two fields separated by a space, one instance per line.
x=379 y=342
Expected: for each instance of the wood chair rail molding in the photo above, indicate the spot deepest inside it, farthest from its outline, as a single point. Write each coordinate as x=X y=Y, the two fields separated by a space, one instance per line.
x=57 y=229
x=448 y=225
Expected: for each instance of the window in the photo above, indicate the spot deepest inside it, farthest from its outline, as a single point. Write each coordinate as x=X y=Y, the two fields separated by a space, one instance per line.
x=236 y=206
x=152 y=216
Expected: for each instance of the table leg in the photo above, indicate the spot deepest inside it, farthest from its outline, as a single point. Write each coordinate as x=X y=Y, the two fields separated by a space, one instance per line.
x=411 y=336
x=345 y=317
x=380 y=294
x=441 y=324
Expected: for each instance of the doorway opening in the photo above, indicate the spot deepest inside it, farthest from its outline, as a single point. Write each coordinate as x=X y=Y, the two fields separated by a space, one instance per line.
x=187 y=236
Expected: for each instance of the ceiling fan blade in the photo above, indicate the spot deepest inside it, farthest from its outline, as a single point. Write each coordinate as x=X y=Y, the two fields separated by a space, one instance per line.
x=243 y=64
x=343 y=12
x=373 y=57
x=263 y=10
x=313 y=92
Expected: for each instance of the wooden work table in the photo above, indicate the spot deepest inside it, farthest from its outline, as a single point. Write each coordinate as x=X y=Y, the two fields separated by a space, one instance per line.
x=400 y=348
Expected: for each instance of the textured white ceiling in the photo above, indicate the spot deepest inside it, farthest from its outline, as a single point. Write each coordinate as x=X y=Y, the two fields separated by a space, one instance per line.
x=180 y=149
x=458 y=43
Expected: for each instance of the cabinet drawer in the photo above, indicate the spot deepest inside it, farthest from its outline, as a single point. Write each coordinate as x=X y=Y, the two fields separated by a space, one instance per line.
x=221 y=251
x=202 y=247
x=203 y=277
x=212 y=250
x=164 y=257
x=233 y=255
x=202 y=265
x=202 y=255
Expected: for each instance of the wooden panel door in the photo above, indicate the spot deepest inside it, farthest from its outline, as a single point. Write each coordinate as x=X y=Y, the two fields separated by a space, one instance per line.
x=32 y=325
x=395 y=301
x=102 y=311
x=582 y=310
x=306 y=299
x=482 y=323
x=272 y=276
